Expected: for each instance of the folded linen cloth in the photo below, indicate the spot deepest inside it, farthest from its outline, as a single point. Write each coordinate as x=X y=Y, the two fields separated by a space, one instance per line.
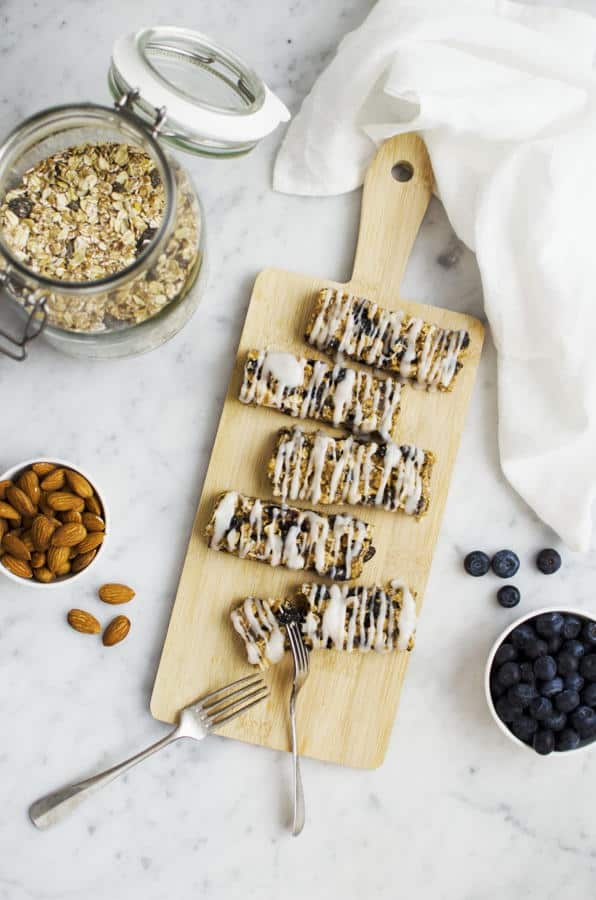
x=504 y=95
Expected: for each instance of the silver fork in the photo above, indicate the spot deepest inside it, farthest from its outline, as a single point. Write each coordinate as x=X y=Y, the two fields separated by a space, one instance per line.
x=300 y=661
x=195 y=721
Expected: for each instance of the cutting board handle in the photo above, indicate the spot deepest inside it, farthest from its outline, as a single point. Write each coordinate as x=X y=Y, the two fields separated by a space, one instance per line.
x=392 y=212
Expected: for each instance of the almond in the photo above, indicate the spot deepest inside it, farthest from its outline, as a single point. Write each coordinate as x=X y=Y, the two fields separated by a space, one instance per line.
x=45 y=507
x=62 y=570
x=43 y=574
x=93 y=522
x=91 y=542
x=27 y=539
x=116 y=593
x=38 y=560
x=116 y=631
x=81 y=561
x=69 y=535
x=71 y=515
x=57 y=557
x=41 y=531
x=18 y=567
x=83 y=621
x=20 y=501
x=54 y=481
x=15 y=546
x=93 y=505
x=78 y=484
x=42 y=468
x=3 y=487
x=62 y=500
x=9 y=512
x=29 y=483
x=3 y=528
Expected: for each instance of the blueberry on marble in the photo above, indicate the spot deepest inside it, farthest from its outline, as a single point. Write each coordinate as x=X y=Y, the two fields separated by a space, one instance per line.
x=589 y=633
x=505 y=653
x=568 y=739
x=566 y=663
x=508 y=596
x=524 y=727
x=556 y=721
x=583 y=720
x=571 y=627
x=587 y=666
x=589 y=695
x=549 y=624
x=545 y=668
x=523 y=693
x=540 y=708
x=543 y=742
x=566 y=701
x=527 y=672
x=508 y=674
x=508 y=711
x=552 y=687
x=534 y=649
x=505 y=563
x=476 y=563
x=574 y=682
x=521 y=635
x=576 y=648
x=548 y=561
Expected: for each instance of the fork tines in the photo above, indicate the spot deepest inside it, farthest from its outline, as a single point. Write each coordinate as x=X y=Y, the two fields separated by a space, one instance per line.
x=230 y=701
x=297 y=646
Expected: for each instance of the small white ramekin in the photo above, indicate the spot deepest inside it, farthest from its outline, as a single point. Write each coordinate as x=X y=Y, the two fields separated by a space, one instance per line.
x=12 y=474
x=566 y=610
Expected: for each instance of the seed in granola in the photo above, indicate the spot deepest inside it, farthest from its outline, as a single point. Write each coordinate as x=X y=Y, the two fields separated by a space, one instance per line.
x=145 y=239
x=118 y=188
x=21 y=207
x=155 y=179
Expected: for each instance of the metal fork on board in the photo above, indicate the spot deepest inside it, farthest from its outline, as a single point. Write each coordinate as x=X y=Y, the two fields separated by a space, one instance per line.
x=300 y=661
x=196 y=721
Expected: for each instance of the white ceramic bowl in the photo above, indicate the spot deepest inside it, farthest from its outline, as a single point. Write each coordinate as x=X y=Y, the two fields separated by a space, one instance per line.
x=566 y=610
x=12 y=474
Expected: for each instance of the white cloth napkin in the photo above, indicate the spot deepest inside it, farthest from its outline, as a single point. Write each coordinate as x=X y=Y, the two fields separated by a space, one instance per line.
x=504 y=96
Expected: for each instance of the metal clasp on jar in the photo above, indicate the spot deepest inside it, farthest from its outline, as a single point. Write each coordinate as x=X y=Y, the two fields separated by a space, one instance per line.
x=32 y=302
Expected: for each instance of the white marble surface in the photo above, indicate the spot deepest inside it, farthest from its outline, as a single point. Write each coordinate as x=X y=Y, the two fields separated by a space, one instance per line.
x=456 y=812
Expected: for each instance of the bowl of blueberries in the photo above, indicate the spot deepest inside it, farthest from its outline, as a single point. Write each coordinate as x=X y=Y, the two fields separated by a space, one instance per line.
x=540 y=681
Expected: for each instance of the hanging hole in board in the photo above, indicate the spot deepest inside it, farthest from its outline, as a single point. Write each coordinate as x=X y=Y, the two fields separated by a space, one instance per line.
x=402 y=171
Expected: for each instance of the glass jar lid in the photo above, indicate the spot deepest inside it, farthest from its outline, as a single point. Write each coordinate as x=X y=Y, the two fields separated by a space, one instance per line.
x=196 y=94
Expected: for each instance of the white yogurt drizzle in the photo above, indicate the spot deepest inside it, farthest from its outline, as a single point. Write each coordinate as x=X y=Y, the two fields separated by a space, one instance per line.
x=278 y=380
x=386 y=339
x=348 y=465
x=256 y=624
x=331 y=545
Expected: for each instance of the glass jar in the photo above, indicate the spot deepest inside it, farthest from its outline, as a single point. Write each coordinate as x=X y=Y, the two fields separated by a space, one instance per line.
x=170 y=86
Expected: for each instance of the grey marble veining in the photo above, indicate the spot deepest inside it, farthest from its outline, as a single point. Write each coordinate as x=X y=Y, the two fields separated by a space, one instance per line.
x=456 y=813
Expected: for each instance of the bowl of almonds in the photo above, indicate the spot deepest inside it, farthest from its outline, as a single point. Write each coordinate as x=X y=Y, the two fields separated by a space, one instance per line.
x=52 y=522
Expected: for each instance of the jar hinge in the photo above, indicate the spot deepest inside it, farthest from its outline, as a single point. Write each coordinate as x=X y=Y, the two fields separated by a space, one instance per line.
x=126 y=100
x=16 y=347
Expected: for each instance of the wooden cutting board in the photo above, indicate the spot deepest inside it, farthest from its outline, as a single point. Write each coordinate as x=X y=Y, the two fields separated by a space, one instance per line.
x=347 y=708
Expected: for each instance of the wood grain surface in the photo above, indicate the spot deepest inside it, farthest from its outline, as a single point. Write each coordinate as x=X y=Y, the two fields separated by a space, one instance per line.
x=348 y=706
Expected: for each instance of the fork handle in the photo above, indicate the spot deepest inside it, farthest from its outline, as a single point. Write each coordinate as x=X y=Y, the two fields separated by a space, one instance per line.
x=49 y=810
x=299 y=812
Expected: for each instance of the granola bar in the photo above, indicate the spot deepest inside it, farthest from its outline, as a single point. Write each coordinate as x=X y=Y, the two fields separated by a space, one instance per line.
x=338 y=617
x=310 y=388
x=318 y=468
x=332 y=545
x=389 y=340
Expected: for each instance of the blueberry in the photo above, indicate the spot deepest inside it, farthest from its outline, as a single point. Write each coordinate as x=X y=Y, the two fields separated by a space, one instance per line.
x=556 y=721
x=508 y=674
x=552 y=687
x=549 y=624
x=505 y=653
x=571 y=627
x=507 y=711
x=534 y=649
x=566 y=701
x=545 y=668
x=589 y=695
x=496 y=689
x=527 y=672
x=522 y=693
x=544 y=742
x=576 y=648
x=548 y=561
x=521 y=635
x=566 y=663
x=505 y=563
x=523 y=728
x=540 y=708
x=589 y=633
x=508 y=596
x=584 y=721
x=574 y=682
x=587 y=666
x=476 y=563
x=554 y=643
x=568 y=739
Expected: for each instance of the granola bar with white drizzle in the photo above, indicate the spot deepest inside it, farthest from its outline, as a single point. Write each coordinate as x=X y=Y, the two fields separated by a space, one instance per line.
x=318 y=468
x=336 y=546
x=390 y=340
x=311 y=388
x=337 y=617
